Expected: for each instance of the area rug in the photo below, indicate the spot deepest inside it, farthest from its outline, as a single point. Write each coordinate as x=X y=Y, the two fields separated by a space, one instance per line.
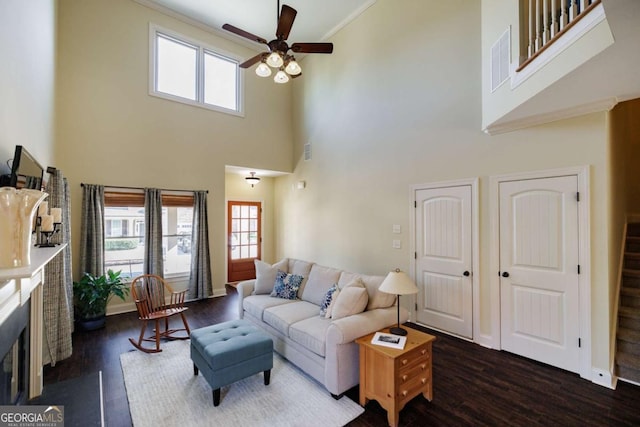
x=163 y=391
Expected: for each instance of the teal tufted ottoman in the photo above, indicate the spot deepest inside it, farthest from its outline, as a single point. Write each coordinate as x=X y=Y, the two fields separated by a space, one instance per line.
x=230 y=351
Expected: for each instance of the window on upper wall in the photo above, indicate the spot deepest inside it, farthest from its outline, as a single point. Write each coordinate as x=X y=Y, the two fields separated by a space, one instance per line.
x=190 y=72
x=124 y=233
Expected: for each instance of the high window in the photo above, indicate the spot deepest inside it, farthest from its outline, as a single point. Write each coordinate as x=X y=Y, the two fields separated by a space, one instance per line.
x=124 y=233
x=188 y=71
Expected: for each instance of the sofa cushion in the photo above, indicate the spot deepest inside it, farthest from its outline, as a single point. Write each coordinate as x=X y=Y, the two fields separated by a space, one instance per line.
x=326 y=301
x=311 y=334
x=321 y=279
x=280 y=317
x=377 y=299
x=351 y=300
x=286 y=286
x=301 y=268
x=256 y=304
x=266 y=275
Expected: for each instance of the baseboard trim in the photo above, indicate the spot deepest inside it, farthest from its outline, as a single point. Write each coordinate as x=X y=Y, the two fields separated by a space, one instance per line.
x=603 y=378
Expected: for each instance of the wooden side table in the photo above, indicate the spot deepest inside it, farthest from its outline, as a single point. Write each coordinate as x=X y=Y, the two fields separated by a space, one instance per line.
x=393 y=377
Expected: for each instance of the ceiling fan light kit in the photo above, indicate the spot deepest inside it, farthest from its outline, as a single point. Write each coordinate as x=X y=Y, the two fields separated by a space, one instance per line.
x=278 y=56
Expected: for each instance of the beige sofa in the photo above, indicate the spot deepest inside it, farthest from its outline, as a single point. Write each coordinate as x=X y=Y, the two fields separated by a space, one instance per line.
x=322 y=347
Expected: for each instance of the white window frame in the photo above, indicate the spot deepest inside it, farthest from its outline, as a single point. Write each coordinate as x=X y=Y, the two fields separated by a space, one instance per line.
x=202 y=48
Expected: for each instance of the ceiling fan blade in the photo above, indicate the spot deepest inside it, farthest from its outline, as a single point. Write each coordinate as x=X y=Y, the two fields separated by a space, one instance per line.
x=287 y=16
x=249 y=62
x=312 y=47
x=243 y=33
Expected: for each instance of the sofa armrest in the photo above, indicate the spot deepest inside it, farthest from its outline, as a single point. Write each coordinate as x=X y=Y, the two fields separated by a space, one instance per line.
x=348 y=329
x=244 y=289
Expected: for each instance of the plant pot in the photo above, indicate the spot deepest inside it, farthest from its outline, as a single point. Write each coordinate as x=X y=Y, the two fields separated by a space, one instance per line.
x=92 y=324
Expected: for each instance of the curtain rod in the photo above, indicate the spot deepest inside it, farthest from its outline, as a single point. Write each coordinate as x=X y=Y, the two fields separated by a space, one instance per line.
x=139 y=188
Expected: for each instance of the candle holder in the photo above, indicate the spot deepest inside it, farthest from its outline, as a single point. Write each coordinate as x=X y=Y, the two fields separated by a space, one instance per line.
x=48 y=235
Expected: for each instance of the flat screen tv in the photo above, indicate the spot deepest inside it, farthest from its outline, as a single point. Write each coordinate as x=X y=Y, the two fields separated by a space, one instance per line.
x=26 y=172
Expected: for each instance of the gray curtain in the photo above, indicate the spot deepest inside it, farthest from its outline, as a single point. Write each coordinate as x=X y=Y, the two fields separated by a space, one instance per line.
x=153 y=262
x=200 y=276
x=92 y=230
x=58 y=283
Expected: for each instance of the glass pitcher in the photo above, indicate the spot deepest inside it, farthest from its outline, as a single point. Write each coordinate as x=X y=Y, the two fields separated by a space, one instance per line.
x=17 y=210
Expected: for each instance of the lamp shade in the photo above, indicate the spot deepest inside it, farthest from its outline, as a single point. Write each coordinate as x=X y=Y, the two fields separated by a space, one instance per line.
x=281 y=77
x=263 y=70
x=275 y=60
x=293 y=68
x=399 y=283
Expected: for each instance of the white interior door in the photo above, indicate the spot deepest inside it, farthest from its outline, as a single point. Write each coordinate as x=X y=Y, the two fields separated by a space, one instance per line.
x=444 y=259
x=539 y=287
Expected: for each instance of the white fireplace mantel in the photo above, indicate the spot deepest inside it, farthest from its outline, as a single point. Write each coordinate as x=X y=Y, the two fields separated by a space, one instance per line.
x=18 y=286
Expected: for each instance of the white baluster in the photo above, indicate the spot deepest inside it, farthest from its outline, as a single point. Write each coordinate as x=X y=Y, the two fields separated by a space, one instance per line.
x=573 y=10
x=546 y=27
x=532 y=27
x=538 y=24
x=555 y=25
x=564 y=17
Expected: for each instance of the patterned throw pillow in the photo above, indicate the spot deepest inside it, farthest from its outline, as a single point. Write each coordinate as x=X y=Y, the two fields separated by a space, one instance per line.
x=326 y=301
x=287 y=285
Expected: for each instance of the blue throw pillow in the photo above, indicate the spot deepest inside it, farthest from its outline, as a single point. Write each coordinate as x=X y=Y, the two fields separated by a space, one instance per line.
x=326 y=301
x=286 y=285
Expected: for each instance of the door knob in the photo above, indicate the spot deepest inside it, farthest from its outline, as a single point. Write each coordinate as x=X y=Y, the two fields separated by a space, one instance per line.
x=466 y=274
x=505 y=274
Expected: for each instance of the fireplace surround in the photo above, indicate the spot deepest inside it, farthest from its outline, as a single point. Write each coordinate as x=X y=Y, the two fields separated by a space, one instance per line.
x=21 y=325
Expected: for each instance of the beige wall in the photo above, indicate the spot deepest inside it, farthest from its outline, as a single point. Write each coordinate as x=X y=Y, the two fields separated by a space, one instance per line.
x=110 y=131
x=27 y=75
x=497 y=17
x=391 y=109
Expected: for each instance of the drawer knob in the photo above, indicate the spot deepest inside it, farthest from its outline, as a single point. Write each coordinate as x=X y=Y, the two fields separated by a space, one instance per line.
x=424 y=381
x=423 y=366
x=424 y=351
x=404 y=393
x=404 y=377
x=404 y=361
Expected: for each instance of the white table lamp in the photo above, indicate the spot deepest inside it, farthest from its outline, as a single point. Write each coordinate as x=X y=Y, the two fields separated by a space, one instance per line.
x=398 y=283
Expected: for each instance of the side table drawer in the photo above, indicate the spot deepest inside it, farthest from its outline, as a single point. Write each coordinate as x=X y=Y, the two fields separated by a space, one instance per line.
x=421 y=354
x=412 y=388
x=415 y=370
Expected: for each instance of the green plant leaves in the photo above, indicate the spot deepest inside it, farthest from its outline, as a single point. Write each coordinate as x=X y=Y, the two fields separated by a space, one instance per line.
x=92 y=293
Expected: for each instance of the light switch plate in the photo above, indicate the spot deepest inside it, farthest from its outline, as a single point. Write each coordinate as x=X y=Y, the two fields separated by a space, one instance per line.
x=397 y=244
x=397 y=229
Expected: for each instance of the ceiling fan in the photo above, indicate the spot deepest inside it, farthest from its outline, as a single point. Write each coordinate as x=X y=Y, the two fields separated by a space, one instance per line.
x=278 y=56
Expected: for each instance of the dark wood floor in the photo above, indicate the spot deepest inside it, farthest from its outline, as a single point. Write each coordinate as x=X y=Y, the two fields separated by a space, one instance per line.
x=473 y=386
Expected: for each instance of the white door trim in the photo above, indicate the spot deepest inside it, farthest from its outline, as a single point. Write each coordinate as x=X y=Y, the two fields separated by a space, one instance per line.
x=584 y=237
x=475 y=242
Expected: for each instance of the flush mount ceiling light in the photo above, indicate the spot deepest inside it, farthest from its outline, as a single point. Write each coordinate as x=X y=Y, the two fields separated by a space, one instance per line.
x=253 y=179
x=278 y=56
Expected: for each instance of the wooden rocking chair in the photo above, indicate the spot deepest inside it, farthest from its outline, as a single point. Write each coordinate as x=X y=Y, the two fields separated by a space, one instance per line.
x=149 y=293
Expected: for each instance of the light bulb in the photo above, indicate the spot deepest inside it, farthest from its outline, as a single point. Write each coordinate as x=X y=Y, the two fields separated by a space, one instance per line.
x=281 y=77
x=263 y=70
x=293 y=68
x=275 y=60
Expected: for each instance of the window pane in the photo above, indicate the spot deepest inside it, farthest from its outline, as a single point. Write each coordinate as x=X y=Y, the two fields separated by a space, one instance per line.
x=176 y=68
x=244 y=211
x=244 y=239
x=235 y=211
x=244 y=225
x=253 y=212
x=253 y=251
x=244 y=252
x=124 y=244
x=253 y=225
x=176 y=245
x=220 y=81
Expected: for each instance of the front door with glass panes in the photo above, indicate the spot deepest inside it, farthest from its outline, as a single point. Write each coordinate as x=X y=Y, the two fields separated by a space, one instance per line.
x=244 y=239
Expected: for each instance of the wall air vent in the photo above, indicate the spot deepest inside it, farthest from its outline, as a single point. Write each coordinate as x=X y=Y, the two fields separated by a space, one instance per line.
x=500 y=59
x=307 y=151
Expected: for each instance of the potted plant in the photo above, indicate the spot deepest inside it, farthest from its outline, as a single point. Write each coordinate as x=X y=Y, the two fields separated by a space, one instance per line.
x=91 y=295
